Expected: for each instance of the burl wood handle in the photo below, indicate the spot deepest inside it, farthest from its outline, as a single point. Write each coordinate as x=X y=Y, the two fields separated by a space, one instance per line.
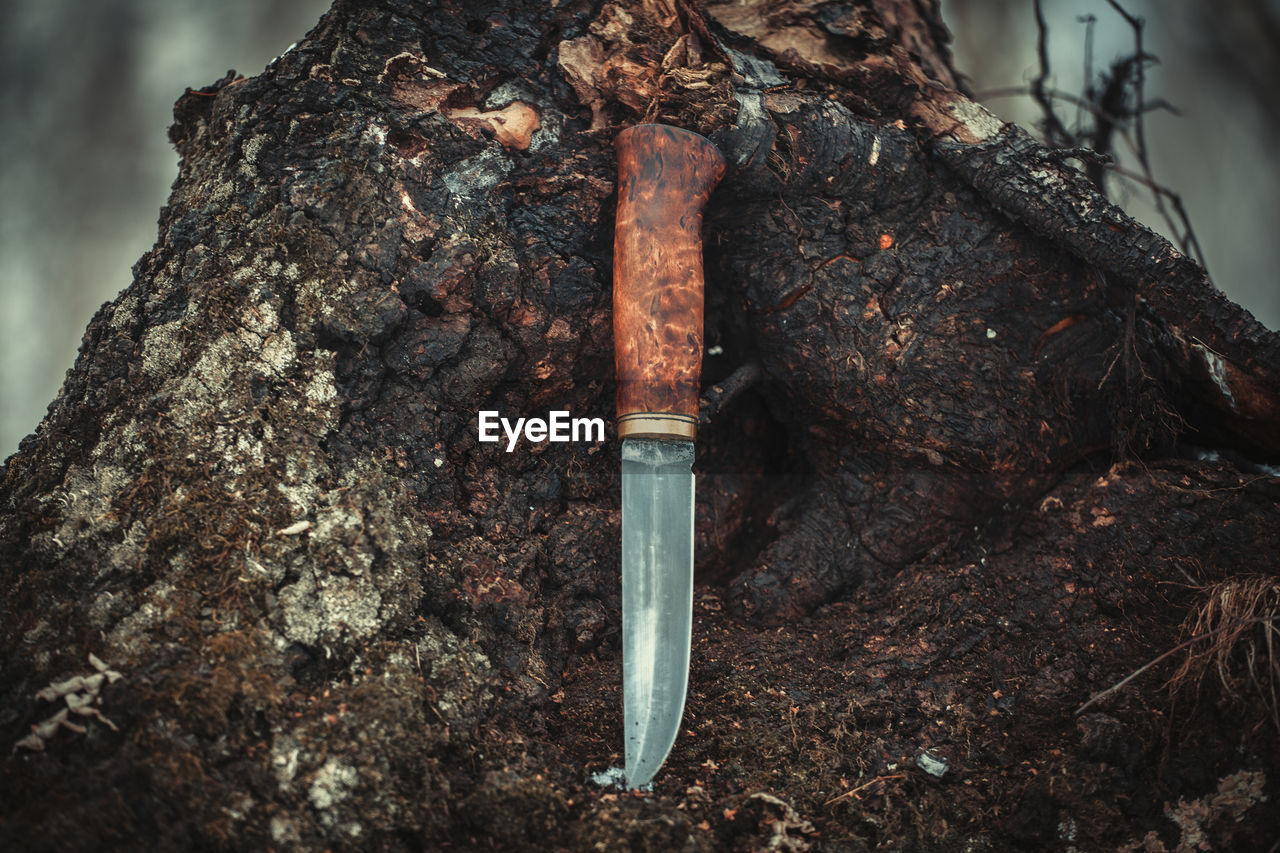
x=665 y=176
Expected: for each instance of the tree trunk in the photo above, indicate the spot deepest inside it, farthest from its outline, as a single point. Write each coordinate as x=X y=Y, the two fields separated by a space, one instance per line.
x=265 y=588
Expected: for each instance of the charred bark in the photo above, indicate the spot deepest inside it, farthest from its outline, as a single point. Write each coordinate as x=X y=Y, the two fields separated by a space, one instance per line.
x=950 y=458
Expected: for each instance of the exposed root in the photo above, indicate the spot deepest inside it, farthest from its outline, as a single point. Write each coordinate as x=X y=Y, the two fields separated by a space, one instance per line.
x=1240 y=615
x=1227 y=619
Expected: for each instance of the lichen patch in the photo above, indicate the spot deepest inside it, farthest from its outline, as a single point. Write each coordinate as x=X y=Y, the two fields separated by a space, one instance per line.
x=249 y=155
x=162 y=350
x=86 y=502
x=981 y=123
x=332 y=784
x=474 y=177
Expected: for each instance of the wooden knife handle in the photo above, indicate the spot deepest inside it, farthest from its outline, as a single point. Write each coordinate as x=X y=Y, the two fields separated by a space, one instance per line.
x=665 y=176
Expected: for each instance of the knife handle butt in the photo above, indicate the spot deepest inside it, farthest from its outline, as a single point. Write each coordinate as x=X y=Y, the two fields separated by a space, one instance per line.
x=665 y=176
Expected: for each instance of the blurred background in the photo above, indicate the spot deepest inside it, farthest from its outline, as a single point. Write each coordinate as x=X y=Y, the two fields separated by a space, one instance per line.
x=86 y=99
x=87 y=91
x=1216 y=61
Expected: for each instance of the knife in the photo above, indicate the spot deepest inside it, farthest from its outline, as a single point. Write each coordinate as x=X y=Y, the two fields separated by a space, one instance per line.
x=665 y=176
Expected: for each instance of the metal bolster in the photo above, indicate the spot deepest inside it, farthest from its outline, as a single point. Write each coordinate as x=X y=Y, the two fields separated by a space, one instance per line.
x=658 y=425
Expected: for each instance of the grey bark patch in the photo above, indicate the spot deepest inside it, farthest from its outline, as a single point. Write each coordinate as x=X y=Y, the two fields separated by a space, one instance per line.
x=476 y=176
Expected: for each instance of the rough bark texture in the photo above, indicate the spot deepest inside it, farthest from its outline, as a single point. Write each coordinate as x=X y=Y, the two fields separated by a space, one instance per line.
x=960 y=499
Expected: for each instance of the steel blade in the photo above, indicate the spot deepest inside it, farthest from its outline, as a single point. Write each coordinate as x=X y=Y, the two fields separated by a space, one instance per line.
x=657 y=598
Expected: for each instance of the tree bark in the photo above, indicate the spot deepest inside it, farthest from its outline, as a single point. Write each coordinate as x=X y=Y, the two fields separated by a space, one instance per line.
x=987 y=444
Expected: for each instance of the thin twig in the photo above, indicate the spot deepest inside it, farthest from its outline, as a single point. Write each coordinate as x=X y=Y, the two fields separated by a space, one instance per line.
x=1055 y=130
x=1083 y=103
x=1110 y=114
x=1190 y=245
x=1089 y=22
x=1137 y=24
x=1186 y=235
x=853 y=792
x=719 y=395
x=1097 y=697
x=1145 y=180
x=1084 y=155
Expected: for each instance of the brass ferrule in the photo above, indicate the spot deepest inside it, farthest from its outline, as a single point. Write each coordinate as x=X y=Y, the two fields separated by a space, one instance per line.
x=658 y=425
